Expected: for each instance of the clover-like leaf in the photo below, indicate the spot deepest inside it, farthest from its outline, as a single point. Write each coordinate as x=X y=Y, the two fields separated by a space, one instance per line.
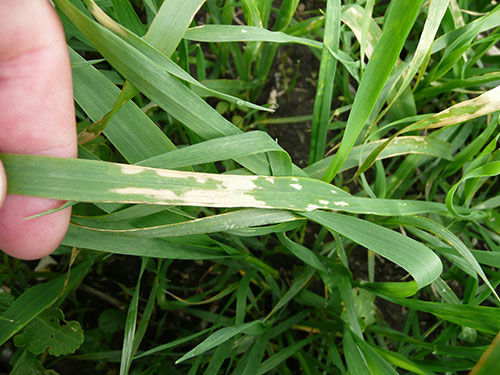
x=365 y=307
x=45 y=332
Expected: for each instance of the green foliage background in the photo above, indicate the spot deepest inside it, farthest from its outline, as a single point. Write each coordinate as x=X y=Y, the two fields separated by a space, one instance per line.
x=212 y=251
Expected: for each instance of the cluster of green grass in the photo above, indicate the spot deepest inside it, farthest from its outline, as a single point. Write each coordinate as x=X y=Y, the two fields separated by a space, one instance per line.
x=246 y=263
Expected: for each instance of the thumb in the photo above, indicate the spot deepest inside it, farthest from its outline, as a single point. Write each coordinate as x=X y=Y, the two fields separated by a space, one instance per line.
x=3 y=184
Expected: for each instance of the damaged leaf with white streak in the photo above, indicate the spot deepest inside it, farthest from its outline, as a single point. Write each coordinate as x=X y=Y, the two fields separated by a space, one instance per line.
x=98 y=181
x=484 y=104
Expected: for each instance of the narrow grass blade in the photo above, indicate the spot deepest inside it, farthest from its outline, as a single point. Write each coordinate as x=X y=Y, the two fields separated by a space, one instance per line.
x=437 y=9
x=217 y=223
x=456 y=84
x=405 y=145
x=127 y=245
x=326 y=77
x=298 y=284
x=482 y=318
x=486 y=22
x=130 y=325
x=283 y=354
x=355 y=18
x=126 y=15
x=223 y=148
x=162 y=60
x=398 y=289
x=174 y=343
x=156 y=83
x=94 y=130
x=302 y=252
x=452 y=239
x=420 y=262
x=23 y=363
x=339 y=277
x=489 y=362
x=147 y=313
x=265 y=230
x=489 y=258
x=173 y=19
x=129 y=213
x=221 y=352
x=235 y=33
x=229 y=289
x=355 y=360
x=484 y=104
x=255 y=356
x=468 y=152
x=241 y=297
x=487 y=170
x=368 y=11
x=398 y=22
x=131 y=131
x=375 y=363
x=219 y=337
x=455 y=49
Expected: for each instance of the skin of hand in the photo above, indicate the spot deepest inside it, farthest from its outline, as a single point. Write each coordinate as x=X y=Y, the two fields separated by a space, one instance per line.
x=36 y=117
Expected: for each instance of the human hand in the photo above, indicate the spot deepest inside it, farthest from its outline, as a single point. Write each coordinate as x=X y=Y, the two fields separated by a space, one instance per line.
x=36 y=117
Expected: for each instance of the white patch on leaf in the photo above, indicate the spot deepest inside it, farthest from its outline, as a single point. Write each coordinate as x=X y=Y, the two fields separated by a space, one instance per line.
x=312 y=207
x=157 y=194
x=175 y=174
x=194 y=197
x=323 y=202
x=221 y=198
x=341 y=203
x=231 y=182
x=131 y=169
x=239 y=183
x=201 y=179
x=296 y=186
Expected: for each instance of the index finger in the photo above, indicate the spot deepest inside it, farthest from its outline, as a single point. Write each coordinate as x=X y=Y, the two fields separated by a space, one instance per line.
x=37 y=117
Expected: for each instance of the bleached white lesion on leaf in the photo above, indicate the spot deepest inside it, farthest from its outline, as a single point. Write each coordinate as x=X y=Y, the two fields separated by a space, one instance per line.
x=231 y=182
x=222 y=198
x=321 y=201
x=312 y=207
x=159 y=195
x=491 y=98
x=484 y=104
x=198 y=197
x=132 y=169
x=270 y=179
x=201 y=179
x=175 y=174
x=296 y=186
x=240 y=183
x=104 y=19
x=341 y=204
